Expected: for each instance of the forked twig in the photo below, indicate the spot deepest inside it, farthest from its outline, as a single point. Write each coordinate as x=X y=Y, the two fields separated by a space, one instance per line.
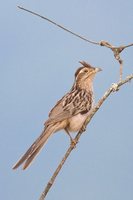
x=113 y=88
x=116 y=50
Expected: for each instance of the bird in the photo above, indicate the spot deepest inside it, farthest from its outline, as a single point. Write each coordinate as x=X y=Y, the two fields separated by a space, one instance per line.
x=69 y=113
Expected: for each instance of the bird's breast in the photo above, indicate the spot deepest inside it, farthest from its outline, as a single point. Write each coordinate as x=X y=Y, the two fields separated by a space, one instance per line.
x=76 y=122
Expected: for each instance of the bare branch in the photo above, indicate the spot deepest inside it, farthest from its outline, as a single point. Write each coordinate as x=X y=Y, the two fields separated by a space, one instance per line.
x=51 y=181
x=116 y=50
x=101 y=43
x=113 y=88
x=129 y=45
x=58 y=25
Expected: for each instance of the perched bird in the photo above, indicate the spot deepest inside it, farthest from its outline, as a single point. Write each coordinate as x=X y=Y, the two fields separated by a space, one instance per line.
x=69 y=113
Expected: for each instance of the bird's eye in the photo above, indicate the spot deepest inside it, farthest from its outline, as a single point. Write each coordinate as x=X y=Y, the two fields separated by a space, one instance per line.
x=85 y=71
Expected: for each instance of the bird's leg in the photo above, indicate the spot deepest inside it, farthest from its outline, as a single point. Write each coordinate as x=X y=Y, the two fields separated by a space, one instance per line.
x=83 y=128
x=73 y=141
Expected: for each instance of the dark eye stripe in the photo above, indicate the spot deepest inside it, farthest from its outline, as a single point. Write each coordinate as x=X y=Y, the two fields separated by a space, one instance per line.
x=77 y=72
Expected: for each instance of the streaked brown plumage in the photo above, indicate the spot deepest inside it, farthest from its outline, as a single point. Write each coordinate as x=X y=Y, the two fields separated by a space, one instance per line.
x=69 y=113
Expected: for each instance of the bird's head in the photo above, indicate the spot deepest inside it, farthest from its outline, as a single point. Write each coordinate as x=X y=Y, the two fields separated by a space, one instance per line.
x=84 y=75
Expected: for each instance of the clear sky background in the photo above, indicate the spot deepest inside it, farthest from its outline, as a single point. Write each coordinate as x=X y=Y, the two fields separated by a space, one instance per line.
x=37 y=65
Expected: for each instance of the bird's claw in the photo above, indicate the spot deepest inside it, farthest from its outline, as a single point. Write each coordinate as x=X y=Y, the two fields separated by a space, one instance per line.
x=83 y=129
x=73 y=143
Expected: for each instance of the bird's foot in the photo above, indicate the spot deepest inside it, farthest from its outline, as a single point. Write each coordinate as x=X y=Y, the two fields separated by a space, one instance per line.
x=83 y=128
x=73 y=142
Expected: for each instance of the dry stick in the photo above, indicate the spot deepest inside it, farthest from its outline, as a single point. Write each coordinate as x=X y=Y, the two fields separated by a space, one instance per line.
x=113 y=88
x=121 y=69
x=52 y=179
x=116 y=50
x=58 y=25
x=101 y=43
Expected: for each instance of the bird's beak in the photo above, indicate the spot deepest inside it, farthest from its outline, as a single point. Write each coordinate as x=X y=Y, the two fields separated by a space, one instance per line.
x=98 y=69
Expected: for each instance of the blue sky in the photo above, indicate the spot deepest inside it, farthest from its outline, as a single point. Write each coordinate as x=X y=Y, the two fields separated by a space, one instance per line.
x=37 y=68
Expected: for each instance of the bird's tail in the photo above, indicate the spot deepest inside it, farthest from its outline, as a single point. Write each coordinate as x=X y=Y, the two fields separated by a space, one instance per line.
x=32 y=152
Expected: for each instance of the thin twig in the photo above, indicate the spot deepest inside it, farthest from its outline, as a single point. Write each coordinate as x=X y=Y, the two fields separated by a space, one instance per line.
x=129 y=45
x=116 y=50
x=59 y=26
x=121 y=69
x=51 y=181
x=113 y=88
x=101 y=43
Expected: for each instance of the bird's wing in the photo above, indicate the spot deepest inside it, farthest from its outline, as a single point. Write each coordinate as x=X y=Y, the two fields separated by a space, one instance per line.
x=74 y=102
